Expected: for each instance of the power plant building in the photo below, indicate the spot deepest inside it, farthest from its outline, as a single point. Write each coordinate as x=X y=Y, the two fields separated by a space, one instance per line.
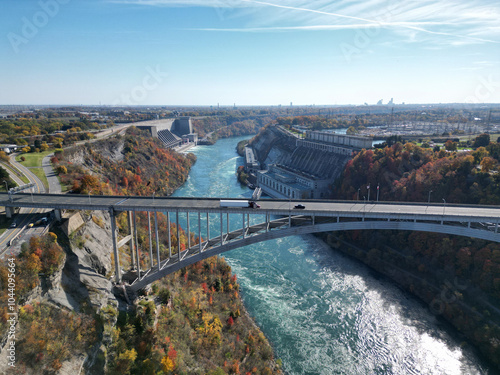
x=171 y=131
x=312 y=167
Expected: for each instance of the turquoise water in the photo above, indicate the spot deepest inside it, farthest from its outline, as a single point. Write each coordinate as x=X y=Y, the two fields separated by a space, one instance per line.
x=322 y=312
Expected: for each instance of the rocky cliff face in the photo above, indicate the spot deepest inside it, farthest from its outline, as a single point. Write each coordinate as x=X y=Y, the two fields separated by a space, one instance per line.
x=273 y=145
x=89 y=262
x=111 y=149
x=81 y=284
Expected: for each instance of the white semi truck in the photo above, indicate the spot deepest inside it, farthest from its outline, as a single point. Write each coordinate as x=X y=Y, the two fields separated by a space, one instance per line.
x=238 y=203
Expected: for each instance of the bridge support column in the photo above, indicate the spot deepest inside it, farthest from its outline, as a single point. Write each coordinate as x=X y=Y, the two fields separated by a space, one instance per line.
x=221 y=230
x=137 y=257
x=243 y=228
x=169 y=237
x=132 y=243
x=188 y=231
x=208 y=229
x=150 y=240
x=199 y=231
x=118 y=271
x=157 y=241
x=57 y=214
x=178 y=237
x=9 y=212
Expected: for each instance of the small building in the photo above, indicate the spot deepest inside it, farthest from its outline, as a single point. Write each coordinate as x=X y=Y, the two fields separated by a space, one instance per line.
x=252 y=165
x=190 y=138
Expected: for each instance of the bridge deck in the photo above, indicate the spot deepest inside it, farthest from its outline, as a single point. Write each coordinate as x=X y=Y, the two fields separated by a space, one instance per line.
x=274 y=207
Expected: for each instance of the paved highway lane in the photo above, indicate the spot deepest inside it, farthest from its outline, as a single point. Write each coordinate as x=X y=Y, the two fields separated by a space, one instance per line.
x=54 y=184
x=39 y=188
x=25 y=215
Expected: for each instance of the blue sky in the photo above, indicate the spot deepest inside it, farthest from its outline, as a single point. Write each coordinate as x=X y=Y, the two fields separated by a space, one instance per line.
x=204 y=52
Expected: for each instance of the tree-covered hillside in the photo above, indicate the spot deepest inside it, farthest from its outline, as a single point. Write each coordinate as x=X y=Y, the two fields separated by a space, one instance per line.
x=459 y=277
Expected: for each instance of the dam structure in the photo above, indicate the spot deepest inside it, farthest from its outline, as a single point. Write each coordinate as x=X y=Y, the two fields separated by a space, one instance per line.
x=173 y=132
x=307 y=168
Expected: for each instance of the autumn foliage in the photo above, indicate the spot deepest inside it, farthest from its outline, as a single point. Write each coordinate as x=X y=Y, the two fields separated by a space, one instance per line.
x=144 y=167
x=431 y=265
x=188 y=332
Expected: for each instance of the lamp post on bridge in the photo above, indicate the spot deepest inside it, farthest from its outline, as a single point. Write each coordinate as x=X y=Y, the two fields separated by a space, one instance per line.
x=358 y=193
x=444 y=205
x=368 y=188
x=378 y=190
x=429 y=199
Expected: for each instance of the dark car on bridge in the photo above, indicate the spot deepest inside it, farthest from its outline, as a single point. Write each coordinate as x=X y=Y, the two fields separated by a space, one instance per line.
x=300 y=207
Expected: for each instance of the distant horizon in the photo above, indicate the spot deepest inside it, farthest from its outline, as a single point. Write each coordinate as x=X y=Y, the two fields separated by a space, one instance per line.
x=252 y=105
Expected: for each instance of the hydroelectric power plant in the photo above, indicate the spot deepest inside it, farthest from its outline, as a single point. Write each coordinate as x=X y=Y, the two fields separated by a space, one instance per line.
x=287 y=166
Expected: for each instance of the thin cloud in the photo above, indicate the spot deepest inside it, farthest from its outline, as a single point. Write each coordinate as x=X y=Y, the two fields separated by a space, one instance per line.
x=371 y=21
x=184 y=3
x=459 y=19
x=452 y=35
x=312 y=27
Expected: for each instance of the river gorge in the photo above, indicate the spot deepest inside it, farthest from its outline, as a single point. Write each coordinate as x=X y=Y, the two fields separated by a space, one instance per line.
x=323 y=312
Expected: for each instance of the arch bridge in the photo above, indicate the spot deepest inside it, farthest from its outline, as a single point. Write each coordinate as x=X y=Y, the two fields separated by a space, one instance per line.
x=220 y=229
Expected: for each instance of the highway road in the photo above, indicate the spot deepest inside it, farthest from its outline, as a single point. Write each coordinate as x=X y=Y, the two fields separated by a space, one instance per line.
x=25 y=215
x=39 y=188
x=53 y=181
x=384 y=210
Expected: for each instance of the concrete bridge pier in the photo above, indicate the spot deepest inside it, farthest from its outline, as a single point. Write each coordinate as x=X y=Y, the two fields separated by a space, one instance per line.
x=9 y=212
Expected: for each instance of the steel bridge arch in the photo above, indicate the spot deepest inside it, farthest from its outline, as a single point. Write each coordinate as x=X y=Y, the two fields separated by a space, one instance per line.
x=310 y=229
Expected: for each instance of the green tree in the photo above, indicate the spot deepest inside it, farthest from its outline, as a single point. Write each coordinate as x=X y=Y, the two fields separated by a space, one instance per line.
x=450 y=145
x=351 y=130
x=482 y=140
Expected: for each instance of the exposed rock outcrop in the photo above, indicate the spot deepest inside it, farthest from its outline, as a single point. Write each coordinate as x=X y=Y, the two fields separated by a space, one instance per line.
x=272 y=145
x=90 y=262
